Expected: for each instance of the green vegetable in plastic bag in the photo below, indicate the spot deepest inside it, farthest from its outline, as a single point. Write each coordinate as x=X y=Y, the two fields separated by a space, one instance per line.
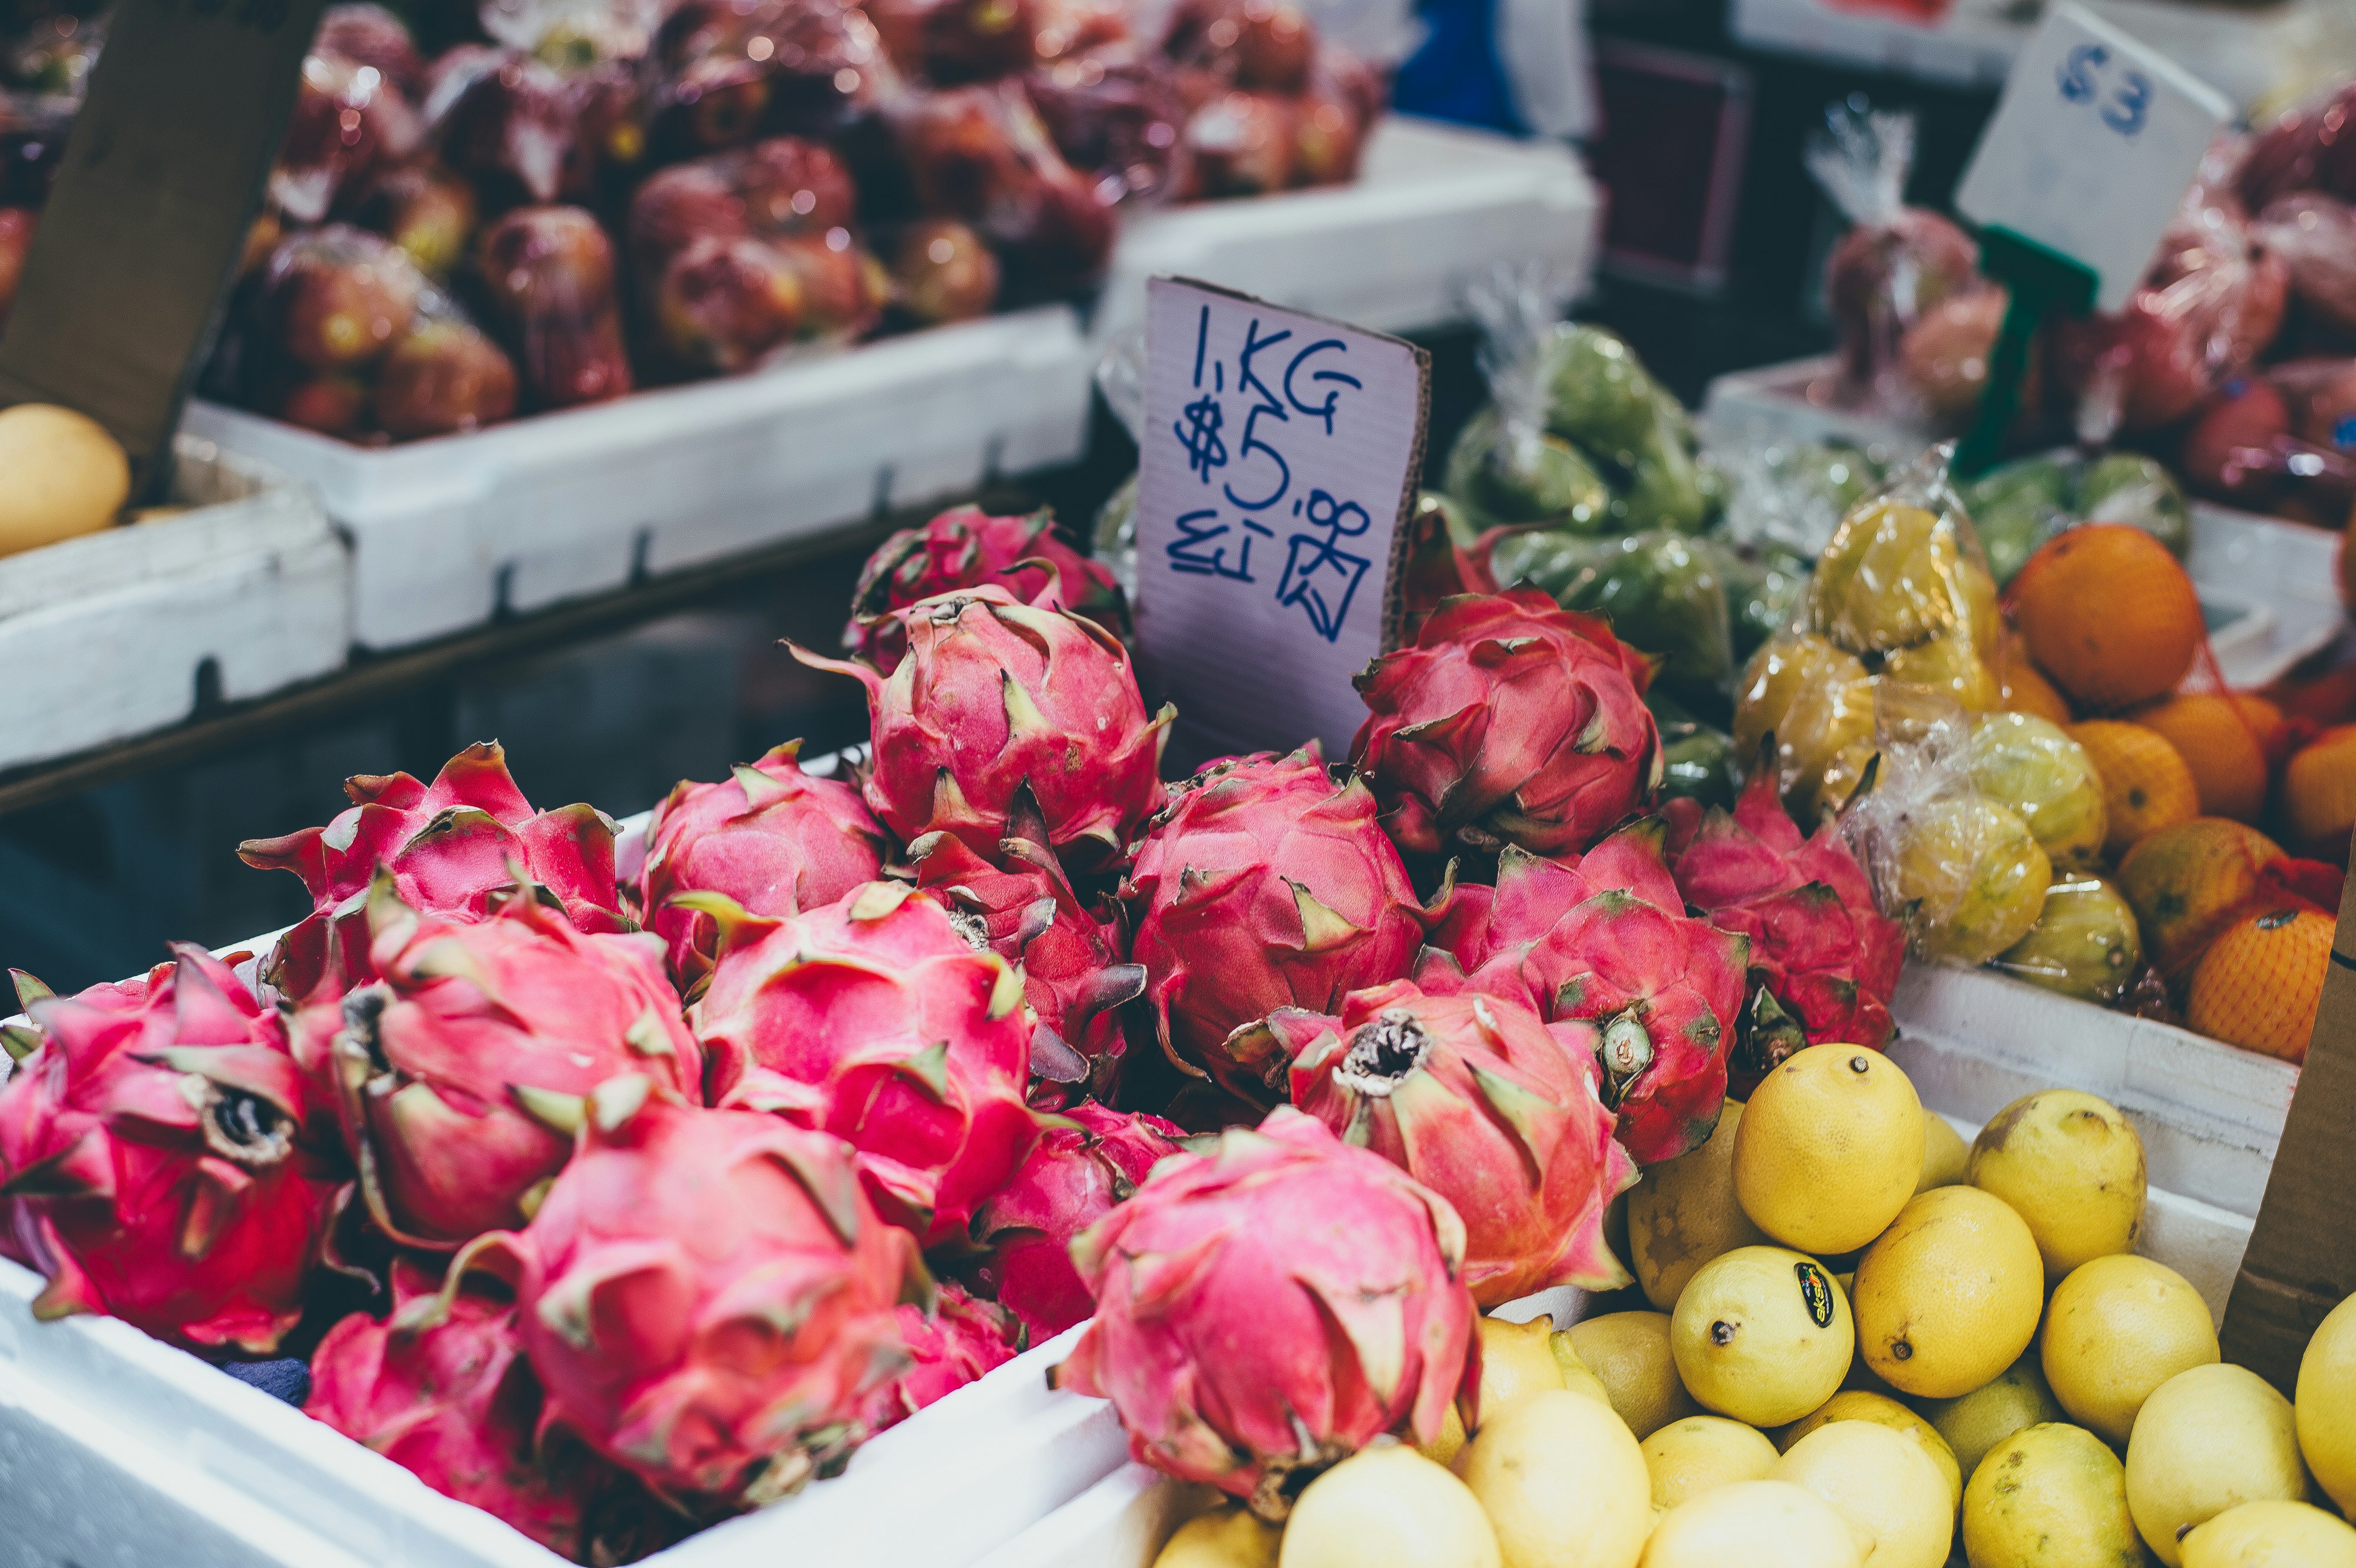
x=1515 y=475
x=2018 y=506
x=2085 y=945
x=1599 y=393
x=2128 y=487
x=1660 y=591
x=1665 y=488
x=1697 y=758
x=1764 y=582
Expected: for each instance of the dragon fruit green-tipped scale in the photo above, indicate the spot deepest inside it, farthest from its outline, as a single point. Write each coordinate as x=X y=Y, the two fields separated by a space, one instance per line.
x=967 y=547
x=955 y=1343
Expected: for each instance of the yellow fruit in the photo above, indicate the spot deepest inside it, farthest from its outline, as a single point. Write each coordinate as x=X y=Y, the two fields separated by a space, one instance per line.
x=2030 y=767
x=1946 y=1157
x=2071 y=1168
x=2318 y=793
x=1443 y=1449
x=1563 y=1482
x=1516 y=1361
x=1949 y=1296
x=1971 y=879
x=1683 y=1213
x=2207 y=1439
x=1763 y=1334
x=1755 y=1524
x=2327 y=1404
x=1881 y=1481
x=1947 y=664
x=1227 y=1537
x=1887 y=580
x=2086 y=942
x=1830 y=1148
x=2146 y=785
x=1688 y=1457
x=2116 y=1329
x=60 y=475
x=1861 y=1404
x=1575 y=1375
x=2185 y=881
x=1973 y=1423
x=1816 y=700
x=2050 y=1496
x=1629 y=1354
x=1389 y=1506
x=2272 y=1534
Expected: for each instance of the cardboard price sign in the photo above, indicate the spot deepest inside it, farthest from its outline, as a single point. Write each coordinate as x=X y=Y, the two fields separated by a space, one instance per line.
x=1277 y=467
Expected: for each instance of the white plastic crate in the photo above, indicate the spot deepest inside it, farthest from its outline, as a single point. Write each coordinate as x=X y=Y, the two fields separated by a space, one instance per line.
x=448 y=532
x=1434 y=206
x=109 y=636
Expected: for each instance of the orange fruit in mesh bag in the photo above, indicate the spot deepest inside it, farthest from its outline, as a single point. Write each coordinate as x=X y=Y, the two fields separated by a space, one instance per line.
x=2145 y=785
x=2319 y=792
x=2109 y=614
x=2260 y=982
x=2223 y=736
x=2022 y=687
x=2185 y=882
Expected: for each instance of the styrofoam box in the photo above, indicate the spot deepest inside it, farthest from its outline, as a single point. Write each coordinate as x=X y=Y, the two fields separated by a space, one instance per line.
x=2277 y=581
x=104 y=636
x=449 y=531
x=1434 y=206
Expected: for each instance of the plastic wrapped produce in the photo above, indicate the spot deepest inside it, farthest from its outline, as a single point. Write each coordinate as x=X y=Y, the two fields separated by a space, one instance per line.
x=979 y=154
x=1262 y=45
x=2312 y=147
x=1115 y=116
x=2086 y=942
x=335 y=299
x=2019 y=505
x=2129 y=487
x=729 y=72
x=349 y=121
x=1660 y=591
x=445 y=376
x=943 y=271
x=16 y=226
x=549 y=273
x=506 y=122
x=373 y=37
x=1898 y=263
x=2315 y=235
x=950 y=42
x=424 y=210
x=1763 y=586
x=1697 y=760
x=1792 y=495
x=2321 y=397
x=1507 y=465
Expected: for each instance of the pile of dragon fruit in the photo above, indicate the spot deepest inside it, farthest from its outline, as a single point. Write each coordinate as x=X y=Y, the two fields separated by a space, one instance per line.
x=643 y=1199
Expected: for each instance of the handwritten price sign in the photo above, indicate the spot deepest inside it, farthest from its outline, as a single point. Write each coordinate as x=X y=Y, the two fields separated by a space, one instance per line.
x=1279 y=457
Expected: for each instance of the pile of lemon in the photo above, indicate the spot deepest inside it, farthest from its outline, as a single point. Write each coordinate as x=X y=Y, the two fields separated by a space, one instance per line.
x=1873 y=1345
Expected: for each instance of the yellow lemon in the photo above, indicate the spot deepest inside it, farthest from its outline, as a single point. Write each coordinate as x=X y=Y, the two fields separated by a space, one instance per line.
x=2207 y=1439
x=1863 y=1404
x=2050 y=1496
x=1758 y=1524
x=1763 y=1334
x=1830 y=1148
x=2116 y=1329
x=1948 y=665
x=1563 y=1481
x=61 y=473
x=2071 y=1168
x=1688 y=1457
x=1946 y=1157
x=2272 y=1534
x=1883 y=1482
x=1975 y=1423
x=1970 y=877
x=2327 y=1406
x=1389 y=1506
x=1949 y=1296
x=1887 y=579
x=1228 y=1537
x=1683 y=1213
x=1629 y=1354
x=1517 y=1360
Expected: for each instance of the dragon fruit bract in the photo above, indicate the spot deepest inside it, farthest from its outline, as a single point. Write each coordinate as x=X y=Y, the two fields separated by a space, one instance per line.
x=875 y=1020
x=773 y=838
x=1073 y=1178
x=449 y=845
x=706 y=1295
x=997 y=700
x=1606 y=939
x=460 y=1075
x=163 y=1159
x=966 y=548
x=1476 y=1099
x=1264 y=885
x=1268 y=1308
x=954 y=1344
x=1511 y=721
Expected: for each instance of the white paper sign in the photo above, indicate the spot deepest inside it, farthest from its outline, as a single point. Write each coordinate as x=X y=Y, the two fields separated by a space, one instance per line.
x=1277 y=462
x=2091 y=148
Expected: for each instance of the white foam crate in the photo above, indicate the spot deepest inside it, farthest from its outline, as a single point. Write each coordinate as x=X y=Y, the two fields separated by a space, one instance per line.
x=446 y=533
x=1434 y=208
x=102 y=637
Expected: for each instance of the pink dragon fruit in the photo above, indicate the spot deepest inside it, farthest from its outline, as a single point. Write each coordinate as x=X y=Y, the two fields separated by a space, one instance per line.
x=874 y=1019
x=706 y=1295
x=1824 y=961
x=773 y=838
x=953 y=1345
x=1606 y=939
x=966 y=548
x=996 y=701
x=1074 y=973
x=1073 y=1178
x=1511 y=721
x=449 y=845
x=1494 y=1111
x=164 y=1160
x=1268 y=1308
x=460 y=1075
x=1264 y=885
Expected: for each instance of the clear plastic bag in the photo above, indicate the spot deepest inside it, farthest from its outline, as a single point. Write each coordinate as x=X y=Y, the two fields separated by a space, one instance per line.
x=727 y=72
x=981 y=154
x=1792 y=495
x=549 y=274
x=1661 y=592
x=350 y=121
x=1511 y=464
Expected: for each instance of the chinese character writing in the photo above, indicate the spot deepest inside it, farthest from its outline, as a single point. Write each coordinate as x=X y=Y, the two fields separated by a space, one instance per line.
x=1197 y=530
x=1319 y=576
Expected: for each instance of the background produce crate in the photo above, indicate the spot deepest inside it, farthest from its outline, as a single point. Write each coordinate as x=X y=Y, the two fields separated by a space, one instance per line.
x=446 y=533
x=117 y=633
x=1434 y=206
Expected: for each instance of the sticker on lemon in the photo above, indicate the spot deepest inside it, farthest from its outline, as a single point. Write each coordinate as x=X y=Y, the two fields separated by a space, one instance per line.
x=1830 y=1148
x=1764 y=1335
x=2116 y=1329
x=2050 y=1496
x=1949 y=1296
x=2071 y=1168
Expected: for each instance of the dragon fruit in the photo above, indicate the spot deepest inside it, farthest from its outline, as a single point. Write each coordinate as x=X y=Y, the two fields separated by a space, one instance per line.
x=1606 y=939
x=1265 y=1309
x=164 y=1160
x=996 y=701
x=449 y=845
x=706 y=1296
x=1073 y=1178
x=773 y=838
x=966 y=548
x=460 y=1075
x=1510 y=720
x=1264 y=885
x=1824 y=961
x=874 y=1019
x=1074 y=974
x=1494 y=1111
x=953 y=1345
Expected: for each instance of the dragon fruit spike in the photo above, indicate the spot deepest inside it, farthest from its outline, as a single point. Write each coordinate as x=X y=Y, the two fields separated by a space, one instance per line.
x=966 y=548
x=1510 y=720
x=875 y=1019
x=460 y=1074
x=773 y=838
x=954 y=1344
x=449 y=845
x=1268 y=1308
x=1494 y=1111
x=707 y=1295
x=997 y=701
x=1072 y=1178
x=164 y=1160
